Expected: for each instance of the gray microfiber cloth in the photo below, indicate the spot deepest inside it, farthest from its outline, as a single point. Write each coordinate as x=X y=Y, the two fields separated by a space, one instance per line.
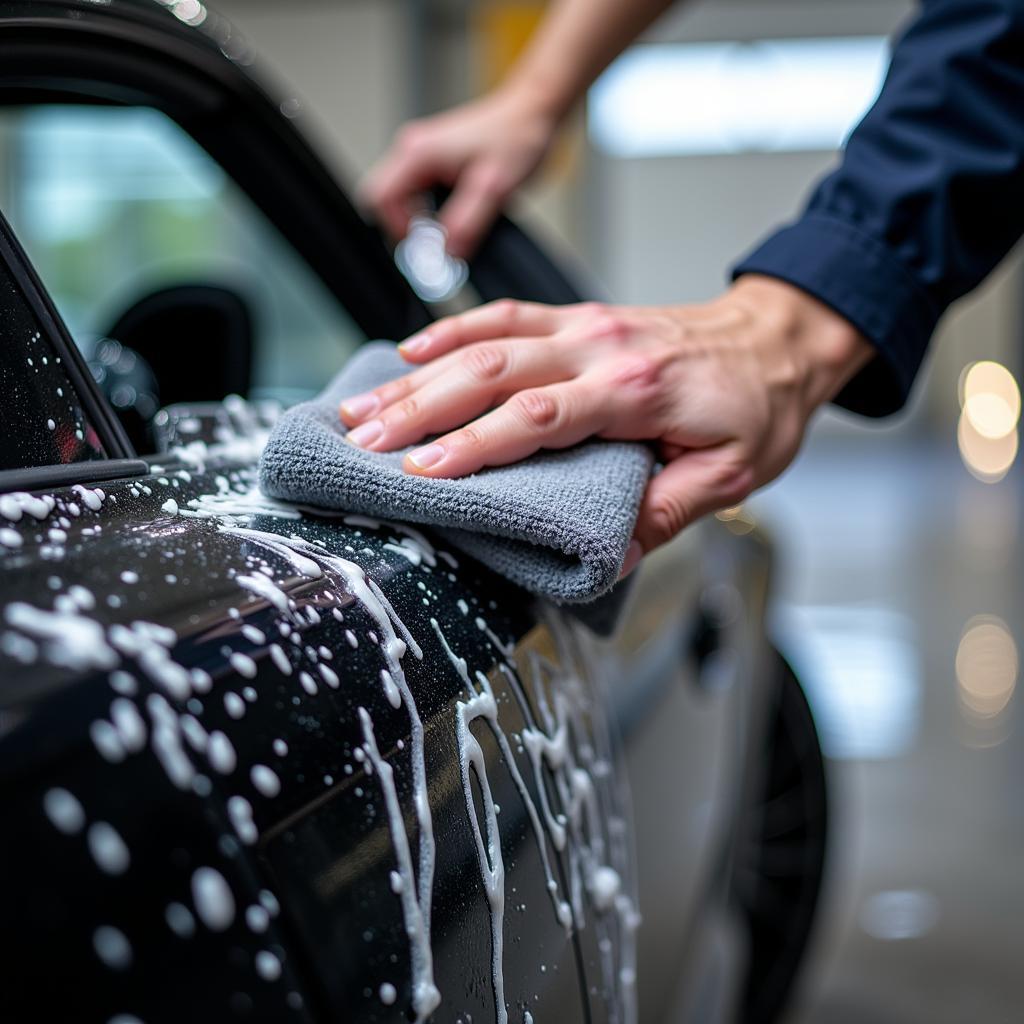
x=557 y=523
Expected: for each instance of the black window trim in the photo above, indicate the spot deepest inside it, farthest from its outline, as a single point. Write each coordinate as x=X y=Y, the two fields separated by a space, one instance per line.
x=114 y=59
x=101 y=417
x=95 y=471
x=120 y=61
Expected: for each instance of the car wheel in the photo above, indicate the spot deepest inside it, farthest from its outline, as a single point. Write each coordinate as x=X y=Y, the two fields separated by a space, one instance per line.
x=779 y=872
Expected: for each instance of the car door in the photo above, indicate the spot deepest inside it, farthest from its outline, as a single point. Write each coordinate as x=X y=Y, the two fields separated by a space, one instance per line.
x=253 y=759
x=685 y=704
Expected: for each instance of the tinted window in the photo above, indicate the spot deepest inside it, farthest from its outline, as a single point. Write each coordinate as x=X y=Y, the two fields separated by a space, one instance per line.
x=41 y=422
x=132 y=225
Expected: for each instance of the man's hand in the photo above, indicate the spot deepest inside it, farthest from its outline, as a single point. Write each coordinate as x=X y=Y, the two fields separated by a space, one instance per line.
x=485 y=150
x=725 y=390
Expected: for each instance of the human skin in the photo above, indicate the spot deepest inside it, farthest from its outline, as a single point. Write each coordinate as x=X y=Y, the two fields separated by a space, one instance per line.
x=724 y=390
x=487 y=148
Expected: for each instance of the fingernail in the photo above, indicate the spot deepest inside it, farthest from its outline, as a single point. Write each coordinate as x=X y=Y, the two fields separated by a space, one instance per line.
x=427 y=456
x=633 y=555
x=414 y=345
x=366 y=433
x=360 y=406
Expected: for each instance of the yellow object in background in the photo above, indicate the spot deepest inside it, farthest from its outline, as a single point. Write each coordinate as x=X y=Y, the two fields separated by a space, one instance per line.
x=501 y=31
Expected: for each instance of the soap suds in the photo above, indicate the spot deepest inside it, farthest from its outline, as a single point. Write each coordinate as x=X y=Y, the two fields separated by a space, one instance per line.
x=107 y=848
x=215 y=906
x=64 y=811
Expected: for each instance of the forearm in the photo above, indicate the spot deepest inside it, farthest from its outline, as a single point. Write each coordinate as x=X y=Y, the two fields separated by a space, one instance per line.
x=575 y=42
x=928 y=197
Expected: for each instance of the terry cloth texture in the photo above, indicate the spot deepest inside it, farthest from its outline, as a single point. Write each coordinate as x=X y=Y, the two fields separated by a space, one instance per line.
x=557 y=523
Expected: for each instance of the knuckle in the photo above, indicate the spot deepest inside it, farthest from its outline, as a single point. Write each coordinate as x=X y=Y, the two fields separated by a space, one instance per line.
x=470 y=439
x=407 y=409
x=667 y=516
x=641 y=372
x=609 y=326
x=486 y=362
x=735 y=482
x=539 y=410
x=493 y=180
x=506 y=311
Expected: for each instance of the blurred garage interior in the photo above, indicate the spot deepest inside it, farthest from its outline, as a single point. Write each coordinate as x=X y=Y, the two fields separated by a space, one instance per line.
x=899 y=545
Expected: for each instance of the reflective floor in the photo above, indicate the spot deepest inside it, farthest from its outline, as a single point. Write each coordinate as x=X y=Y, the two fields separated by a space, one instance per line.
x=903 y=610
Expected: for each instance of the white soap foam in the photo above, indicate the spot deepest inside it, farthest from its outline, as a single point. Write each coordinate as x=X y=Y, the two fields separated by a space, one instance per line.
x=107 y=848
x=180 y=920
x=112 y=947
x=63 y=809
x=214 y=903
x=240 y=813
x=280 y=659
x=256 y=918
x=268 y=966
x=234 y=705
x=221 y=753
x=69 y=640
x=265 y=780
x=243 y=664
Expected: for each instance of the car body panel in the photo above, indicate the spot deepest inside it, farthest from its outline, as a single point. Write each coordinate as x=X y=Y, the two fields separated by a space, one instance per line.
x=144 y=562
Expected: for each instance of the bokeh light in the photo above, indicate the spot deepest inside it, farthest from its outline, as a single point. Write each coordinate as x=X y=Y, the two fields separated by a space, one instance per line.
x=990 y=411
x=991 y=399
x=986 y=666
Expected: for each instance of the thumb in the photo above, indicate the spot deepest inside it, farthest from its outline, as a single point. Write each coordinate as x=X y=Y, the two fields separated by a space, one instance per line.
x=393 y=189
x=696 y=483
x=473 y=207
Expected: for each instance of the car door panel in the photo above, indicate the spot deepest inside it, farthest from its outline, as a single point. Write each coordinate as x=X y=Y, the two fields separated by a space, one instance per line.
x=169 y=588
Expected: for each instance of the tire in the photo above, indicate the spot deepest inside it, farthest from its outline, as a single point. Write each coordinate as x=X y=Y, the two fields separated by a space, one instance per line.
x=779 y=872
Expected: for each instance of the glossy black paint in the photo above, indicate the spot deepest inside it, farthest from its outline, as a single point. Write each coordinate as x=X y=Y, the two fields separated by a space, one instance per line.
x=324 y=848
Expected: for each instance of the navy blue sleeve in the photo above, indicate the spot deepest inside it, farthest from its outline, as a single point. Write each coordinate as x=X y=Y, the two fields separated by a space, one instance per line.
x=928 y=198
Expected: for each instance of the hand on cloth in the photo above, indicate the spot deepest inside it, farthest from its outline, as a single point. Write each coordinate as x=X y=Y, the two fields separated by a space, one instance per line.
x=724 y=390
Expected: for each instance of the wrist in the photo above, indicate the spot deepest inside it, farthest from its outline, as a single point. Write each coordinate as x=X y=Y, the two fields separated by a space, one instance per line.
x=825 y=350
x=536 y=96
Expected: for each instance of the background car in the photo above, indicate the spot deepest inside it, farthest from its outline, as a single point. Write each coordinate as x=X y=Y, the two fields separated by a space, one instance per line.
x=266 y=763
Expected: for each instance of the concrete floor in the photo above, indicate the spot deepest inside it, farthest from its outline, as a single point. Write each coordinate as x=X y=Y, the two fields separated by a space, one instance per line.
x=888 y=552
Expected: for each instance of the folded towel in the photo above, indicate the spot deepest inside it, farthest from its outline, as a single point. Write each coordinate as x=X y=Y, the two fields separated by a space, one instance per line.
x=557 y=523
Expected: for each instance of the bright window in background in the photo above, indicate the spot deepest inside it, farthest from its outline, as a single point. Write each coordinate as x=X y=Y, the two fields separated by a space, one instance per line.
x=775 y=95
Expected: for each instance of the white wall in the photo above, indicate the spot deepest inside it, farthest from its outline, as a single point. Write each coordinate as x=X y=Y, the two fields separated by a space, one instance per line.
x=346 y=59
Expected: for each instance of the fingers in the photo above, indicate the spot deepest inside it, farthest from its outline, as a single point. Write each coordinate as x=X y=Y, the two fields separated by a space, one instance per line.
x=632 y=558
x=463 y=386
x=555 y=416
x=393 y=189
x=502 y=319
x=368 y=404
x=698 y=482
x=473 y=206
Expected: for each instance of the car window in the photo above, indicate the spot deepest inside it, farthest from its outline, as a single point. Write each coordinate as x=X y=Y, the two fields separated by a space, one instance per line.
x=41 y=420
x=138 y=234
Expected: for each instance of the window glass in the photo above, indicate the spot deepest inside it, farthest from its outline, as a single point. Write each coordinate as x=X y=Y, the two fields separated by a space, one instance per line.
x=41 y=422
x=138 y=233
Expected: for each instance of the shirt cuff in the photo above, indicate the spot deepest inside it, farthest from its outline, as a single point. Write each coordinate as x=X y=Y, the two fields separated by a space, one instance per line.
x=863 y=281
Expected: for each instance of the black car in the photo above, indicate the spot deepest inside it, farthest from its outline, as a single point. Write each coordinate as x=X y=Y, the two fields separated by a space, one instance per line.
x=266 y=763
